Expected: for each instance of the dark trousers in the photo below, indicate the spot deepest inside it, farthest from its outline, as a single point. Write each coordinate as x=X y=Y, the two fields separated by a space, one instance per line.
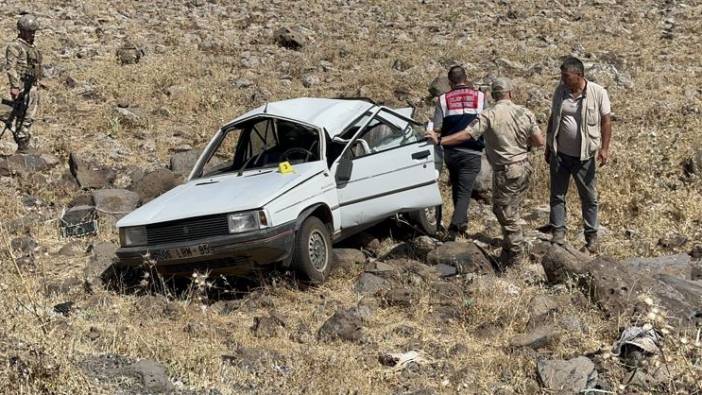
x=463 y=169
x=563 y=167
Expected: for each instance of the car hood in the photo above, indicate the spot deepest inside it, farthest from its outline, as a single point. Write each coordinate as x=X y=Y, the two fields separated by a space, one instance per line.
x=221 y=194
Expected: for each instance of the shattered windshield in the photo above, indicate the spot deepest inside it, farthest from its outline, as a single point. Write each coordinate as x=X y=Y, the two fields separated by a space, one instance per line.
x=263 y=143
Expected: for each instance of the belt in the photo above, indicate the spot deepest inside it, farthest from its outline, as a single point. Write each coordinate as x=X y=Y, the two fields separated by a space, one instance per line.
x=502 y=167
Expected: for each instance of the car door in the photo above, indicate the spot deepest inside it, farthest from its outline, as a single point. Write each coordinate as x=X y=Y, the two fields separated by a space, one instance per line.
x=388 y=167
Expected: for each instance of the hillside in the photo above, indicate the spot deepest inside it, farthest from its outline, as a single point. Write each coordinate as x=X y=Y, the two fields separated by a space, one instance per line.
x=202 y=63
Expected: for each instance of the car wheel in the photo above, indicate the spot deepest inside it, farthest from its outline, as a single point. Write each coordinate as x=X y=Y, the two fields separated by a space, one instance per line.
x=313 y=247
x=425 y=219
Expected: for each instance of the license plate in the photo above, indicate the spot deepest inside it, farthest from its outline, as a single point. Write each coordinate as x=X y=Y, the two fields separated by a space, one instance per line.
x=189 y=252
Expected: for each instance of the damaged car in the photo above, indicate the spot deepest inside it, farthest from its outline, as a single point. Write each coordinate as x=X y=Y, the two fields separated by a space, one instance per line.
x=284 y=182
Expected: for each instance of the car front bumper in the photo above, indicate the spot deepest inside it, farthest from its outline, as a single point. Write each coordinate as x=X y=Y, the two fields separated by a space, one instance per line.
x=230 y=254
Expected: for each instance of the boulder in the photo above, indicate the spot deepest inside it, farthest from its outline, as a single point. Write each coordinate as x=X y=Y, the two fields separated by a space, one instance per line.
x=129 y=53
x=679 y=265
x=400 y=297
x=268 y=326
x=617 y=287
x=181 y=163
x=24 y=245
x=26 y=164
x=439 y=86
x=465 y=257
x=71 y=249
x=89 y=174
x=370 y=284
x=289 y=38
x=152 y=376
x=343 y=325
x=573 y=376
x=117 y=202
x=541 y=306
x=536 y=338
x=154 y=184
x=347 y=259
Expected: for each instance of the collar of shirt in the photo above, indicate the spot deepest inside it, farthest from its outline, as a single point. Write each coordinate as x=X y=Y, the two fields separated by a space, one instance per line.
x=25 y=42
x=567 y=94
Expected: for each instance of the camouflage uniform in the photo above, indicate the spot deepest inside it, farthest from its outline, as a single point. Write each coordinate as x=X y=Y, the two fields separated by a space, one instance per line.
x=507 y=128
x=23 y=64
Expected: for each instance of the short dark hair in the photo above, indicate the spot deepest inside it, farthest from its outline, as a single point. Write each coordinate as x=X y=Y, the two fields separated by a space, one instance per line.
x=457 y=75
x=573 y=64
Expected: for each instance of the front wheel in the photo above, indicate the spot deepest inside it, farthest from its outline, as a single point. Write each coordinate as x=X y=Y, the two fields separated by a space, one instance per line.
x=312 y=255
x=426 y=219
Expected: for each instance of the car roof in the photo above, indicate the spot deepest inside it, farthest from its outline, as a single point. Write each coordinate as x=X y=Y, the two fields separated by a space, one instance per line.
x=333 y=115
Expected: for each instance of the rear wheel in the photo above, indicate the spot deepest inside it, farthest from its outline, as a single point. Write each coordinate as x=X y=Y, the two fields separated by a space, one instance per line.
x=426 y=220
x=312 y=255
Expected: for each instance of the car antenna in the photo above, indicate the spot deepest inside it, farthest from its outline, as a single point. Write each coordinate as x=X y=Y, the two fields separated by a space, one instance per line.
x=265 y=109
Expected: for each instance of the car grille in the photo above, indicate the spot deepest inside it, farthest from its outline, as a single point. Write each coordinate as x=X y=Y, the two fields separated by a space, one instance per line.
x=187 y=229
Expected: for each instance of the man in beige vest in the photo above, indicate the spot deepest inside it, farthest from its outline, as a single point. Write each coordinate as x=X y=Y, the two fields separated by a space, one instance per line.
x=23 y=65
x=579 y=130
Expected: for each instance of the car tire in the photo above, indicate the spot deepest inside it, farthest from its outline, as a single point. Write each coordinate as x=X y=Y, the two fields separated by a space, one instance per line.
x=425 y=219
x=313 y=250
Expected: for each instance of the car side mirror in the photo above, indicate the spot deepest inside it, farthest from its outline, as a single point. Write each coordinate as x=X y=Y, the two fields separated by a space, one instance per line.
x=343 y=170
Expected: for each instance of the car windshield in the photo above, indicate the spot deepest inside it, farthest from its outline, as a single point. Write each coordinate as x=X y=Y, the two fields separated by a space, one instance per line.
x=263 y=143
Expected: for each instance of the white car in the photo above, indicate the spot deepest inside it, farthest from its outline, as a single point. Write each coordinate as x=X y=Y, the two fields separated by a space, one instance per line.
x=283 y=182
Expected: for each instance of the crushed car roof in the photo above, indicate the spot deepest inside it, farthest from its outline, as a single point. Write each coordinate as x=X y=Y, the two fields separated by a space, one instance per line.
x=331 y=114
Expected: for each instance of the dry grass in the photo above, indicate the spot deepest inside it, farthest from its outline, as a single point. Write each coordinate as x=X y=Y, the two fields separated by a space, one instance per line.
x=183 y=94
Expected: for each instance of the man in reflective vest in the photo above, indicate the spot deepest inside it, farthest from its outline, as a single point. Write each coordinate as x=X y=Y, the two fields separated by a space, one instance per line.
x=455 y=110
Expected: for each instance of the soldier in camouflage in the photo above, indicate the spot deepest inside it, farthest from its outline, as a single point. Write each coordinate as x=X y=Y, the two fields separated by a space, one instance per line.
x=509 y=131
x=23 y=65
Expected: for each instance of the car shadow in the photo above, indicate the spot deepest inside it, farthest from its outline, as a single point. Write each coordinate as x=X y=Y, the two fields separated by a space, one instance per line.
x=208 y=288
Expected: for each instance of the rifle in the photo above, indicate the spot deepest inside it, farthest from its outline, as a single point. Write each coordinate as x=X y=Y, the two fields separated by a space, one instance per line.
x=19 y=109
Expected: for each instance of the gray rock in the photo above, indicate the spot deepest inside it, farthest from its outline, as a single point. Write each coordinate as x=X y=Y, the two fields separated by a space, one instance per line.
x=347 y=259
x=269 y=326
x=182 y=163
x=116 y=202
x=24 y=245
x=289 y=38
x=343 y=325
x=26 y=164
x=446 y=270
x=423 y=245
x=679 y=265
x=439 y=86
x=129 y=54
x=370 y=284
x=400 y=297
x=71 y=249
x=154 y=184
x=310 y=80
x=89 y=174
x=541 y=306
x=567 y=377
x=536 y=338
x=129 y=117
x=465 y=257
x=616 y=287
x=152 y=375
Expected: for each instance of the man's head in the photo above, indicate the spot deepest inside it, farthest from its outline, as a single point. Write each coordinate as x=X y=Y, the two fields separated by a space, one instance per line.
x=28 y=26
x=572 y=72
x=457 y=76
x=501 y=88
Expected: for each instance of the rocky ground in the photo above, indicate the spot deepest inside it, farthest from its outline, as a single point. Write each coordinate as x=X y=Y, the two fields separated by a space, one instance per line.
x=134 y=89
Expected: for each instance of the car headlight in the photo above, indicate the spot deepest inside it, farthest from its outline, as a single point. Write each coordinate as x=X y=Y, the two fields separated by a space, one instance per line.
x=132 y=236
x=247 y=221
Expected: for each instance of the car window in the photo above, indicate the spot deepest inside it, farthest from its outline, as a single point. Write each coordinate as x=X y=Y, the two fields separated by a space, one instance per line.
x=264 y=143
x=223 y=157
x=385 y=131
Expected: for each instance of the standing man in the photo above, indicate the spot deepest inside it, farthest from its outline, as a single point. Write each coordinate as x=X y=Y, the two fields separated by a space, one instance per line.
x=455 y=110
x=579 y=129
x=23 y=64
x=509 y=131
